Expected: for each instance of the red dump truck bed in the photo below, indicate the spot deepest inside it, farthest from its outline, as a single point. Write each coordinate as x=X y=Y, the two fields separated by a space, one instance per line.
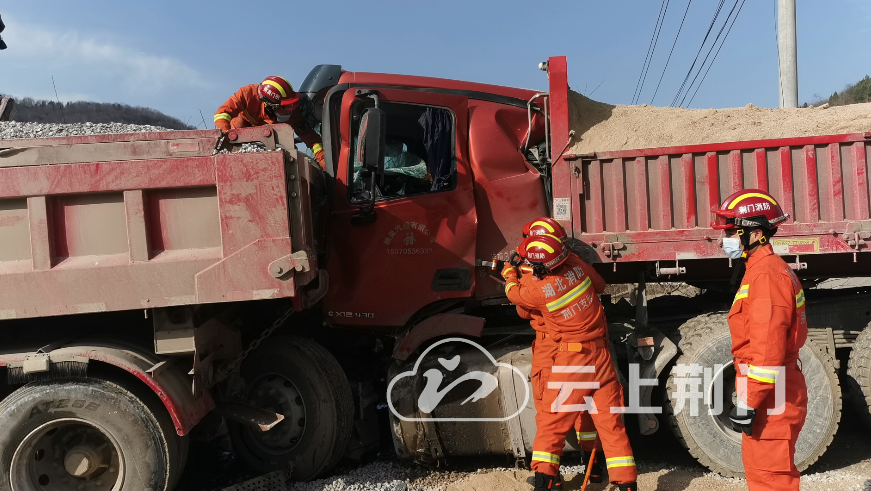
x=120 y=222
x=655 y=204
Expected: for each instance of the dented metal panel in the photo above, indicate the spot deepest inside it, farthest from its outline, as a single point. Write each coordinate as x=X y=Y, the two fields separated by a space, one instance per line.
x=91 y=230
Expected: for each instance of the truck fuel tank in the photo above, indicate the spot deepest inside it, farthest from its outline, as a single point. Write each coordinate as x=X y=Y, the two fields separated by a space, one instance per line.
x=460 y=399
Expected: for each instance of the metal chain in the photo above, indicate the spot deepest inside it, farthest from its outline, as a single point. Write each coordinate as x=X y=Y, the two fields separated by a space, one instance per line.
x=231 y=366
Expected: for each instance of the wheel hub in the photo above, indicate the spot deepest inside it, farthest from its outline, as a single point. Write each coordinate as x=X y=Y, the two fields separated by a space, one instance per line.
x=68 y=454
x=276 y=393
x=83 y=461
x=729 y=397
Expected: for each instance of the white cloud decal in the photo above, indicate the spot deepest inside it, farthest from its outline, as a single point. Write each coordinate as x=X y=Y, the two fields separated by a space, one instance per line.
x=432 y=394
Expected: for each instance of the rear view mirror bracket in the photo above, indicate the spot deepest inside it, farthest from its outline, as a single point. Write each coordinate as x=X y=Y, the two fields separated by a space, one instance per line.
x=371 y=149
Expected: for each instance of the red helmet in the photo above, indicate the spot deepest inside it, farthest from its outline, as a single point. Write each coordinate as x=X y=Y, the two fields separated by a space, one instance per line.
x=277 y=91
x=545 y=251
x=545 y=225
x=748 y=208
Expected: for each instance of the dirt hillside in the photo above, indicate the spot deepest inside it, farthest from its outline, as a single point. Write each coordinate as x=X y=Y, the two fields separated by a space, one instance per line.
x=600 y=127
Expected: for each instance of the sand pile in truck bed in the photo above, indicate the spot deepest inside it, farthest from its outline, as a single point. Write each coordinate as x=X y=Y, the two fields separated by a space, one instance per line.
x=602 y=127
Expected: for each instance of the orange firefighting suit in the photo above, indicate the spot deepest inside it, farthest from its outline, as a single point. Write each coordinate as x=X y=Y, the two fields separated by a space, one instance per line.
x=244 y=109
x=543 y=351
x=768 y=327
x=566 y=383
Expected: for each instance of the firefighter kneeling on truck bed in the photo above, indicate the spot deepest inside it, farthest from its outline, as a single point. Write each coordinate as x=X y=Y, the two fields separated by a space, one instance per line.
x=768 y=326
x=273 y=101
x=578 y=374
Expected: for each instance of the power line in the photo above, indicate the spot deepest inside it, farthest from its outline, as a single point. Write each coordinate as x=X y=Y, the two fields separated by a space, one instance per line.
x=717 y=53
x=710 y=50
x=63 y=116
x=671 y=52
x=704 y=41
x=651 y=48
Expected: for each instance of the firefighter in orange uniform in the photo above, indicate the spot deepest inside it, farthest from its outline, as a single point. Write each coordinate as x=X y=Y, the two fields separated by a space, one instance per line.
x=768 y=327
x=273 y=101
x=579 y=374
x=544 y=348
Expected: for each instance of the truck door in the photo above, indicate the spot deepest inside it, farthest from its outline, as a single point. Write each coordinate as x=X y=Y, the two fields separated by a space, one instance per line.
x=420 y=249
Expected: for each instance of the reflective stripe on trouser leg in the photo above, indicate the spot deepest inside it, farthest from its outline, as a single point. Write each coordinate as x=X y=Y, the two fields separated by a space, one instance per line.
x=545 y=457
x=612 y=433
x=550 y=438
x=587 y=437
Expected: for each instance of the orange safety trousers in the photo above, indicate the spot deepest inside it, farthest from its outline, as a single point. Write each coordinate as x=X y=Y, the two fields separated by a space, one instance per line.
x=576 y=382
x=769 y=455
x=543 y=351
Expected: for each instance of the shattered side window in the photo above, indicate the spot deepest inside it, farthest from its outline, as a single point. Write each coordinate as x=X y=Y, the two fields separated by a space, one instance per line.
x=419 y=144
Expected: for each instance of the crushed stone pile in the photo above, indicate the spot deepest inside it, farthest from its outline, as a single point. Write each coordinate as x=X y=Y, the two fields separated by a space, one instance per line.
x=603 y=127
x=10 y=130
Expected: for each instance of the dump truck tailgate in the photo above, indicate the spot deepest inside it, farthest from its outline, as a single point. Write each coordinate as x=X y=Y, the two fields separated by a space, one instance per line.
x=119 y=222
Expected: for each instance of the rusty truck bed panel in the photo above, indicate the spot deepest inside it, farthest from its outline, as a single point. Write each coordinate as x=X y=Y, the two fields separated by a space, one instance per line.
x=657 y=203
x=170 y=224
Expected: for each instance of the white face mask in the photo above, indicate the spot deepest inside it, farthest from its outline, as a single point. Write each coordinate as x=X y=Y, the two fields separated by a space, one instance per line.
x=732 y=247
x=281 y=118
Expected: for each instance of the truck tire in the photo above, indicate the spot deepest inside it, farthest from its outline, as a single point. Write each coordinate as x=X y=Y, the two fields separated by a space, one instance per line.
x=705 y=340
x=859 y=375
x=82 y=433
x=300 y=379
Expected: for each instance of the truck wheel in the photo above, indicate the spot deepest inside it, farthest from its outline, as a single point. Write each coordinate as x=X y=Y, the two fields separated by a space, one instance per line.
x=859 y=374
x=300 y=379
x=74 y=434
x=705 y=341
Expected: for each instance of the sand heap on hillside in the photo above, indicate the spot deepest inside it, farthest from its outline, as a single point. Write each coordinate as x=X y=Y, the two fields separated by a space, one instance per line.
x=600 y=127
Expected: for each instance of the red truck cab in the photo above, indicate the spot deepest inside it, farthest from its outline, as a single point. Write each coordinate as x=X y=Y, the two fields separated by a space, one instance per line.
x=456 y=183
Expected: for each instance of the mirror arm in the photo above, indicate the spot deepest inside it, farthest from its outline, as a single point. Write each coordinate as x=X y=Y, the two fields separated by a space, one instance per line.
x=370 y=93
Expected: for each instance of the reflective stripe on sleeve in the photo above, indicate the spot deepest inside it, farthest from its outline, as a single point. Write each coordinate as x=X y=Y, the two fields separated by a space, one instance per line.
x=222 y=116
x=620 y=462
x=762 y=374
x=586 y=436
x=508 y=286
x=569 y=297
x=545 y=457
x=799 y=299
x=317 y=148
x=744 y=292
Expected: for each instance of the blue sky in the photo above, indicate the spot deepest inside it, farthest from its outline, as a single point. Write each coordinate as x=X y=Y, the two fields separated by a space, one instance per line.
x=183 y=56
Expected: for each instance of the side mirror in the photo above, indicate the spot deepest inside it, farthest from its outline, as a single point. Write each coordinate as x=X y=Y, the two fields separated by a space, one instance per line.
x=371 y=149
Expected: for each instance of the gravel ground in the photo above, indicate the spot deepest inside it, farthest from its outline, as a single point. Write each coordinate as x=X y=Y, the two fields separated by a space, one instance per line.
x=663 y=466
x=12 y=129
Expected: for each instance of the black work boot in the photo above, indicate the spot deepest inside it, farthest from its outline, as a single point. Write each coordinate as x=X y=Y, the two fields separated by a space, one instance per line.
x=596 y=468
x=628 y=487
x=546 y=482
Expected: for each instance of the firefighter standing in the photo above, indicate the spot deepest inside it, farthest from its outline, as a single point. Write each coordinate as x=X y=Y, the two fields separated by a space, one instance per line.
x=579 y=376
x=273 y=101
x=544 y=349
x=768 y=327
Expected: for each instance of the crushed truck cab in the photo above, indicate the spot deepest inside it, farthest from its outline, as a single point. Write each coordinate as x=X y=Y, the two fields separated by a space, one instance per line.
x=224 y=284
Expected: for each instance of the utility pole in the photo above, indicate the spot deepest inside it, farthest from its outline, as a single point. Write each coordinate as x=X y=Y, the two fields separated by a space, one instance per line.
x=788 y=51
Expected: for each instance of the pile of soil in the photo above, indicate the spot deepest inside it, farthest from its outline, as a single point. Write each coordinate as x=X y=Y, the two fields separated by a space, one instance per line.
x=603 y=127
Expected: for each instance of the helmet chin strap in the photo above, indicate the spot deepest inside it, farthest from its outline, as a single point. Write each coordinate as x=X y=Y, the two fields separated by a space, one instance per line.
x=744 y=235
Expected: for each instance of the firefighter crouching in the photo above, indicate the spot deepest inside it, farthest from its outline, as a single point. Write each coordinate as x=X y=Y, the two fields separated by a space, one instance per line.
x=768 y=327
x=578 y=375
x=273 y=101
